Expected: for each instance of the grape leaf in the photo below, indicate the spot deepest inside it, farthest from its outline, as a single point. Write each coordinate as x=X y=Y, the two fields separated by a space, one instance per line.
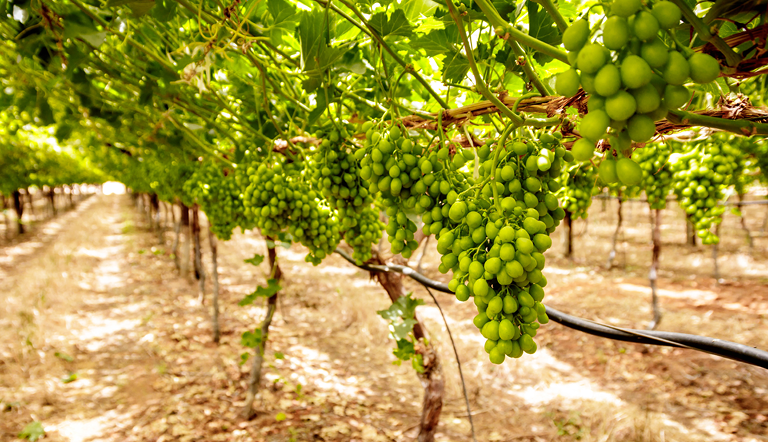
x=266 y=292
x=256 y=260
x=32 y=431
x=164 y=10
x=455 y=67
x=437 y=42
x=405 y=350
x=404 y=307
x=415 y=9
x=251 y=339
x=542 y=27
x=138 y=7
x=316 y=55
x=397 y=24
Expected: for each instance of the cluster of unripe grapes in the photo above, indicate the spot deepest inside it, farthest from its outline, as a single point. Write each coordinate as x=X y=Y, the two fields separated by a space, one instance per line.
x=278 y=199
x=653 y=159
x=366 y=232
x=218 y=195
x=634 y=72
x=494 y=241
x=336 y=174
x=578 y=185
x=408 y=180
x=701 y=173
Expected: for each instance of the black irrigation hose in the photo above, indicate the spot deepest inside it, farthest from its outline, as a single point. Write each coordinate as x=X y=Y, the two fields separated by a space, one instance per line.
x=718 y=347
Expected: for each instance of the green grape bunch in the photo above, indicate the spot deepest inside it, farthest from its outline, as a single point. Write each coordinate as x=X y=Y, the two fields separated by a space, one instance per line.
x=657 y=174
x=634 y=72
x=336 y=174
x=578 y=186
x=279 y=199
x=701 y=173
x=409 y=181
x=499 y=229
x=217 y=192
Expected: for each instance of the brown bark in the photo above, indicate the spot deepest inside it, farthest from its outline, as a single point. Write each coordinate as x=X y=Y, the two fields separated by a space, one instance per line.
x=154 y=204
x=18 y=206
x=177 y=235
x=6 y=222
x=690 y=233
x=51 y=198
x=568 y=235
x=432 y=377
x=612 y=255
x=653 y=274
x=32 y=212
x=184 y=265
x=199 y=270
x=215 y=275
x=258 y=357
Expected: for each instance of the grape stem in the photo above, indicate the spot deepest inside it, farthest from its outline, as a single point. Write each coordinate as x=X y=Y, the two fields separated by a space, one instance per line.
x=553 y=12
x=731 y=57
x=743 y=127
x=499 y=147
x=493 y=16
x=479 y=82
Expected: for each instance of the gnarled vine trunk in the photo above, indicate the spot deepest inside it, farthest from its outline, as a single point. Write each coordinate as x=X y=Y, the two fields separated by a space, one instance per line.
x=653 y=273
x=258 y=354
x=215 y=275
x=199 y=270
x=18 y=206
x=432 y=377
x=177 y=234
x=184 y=265
x=690 y=232
x=568 y=235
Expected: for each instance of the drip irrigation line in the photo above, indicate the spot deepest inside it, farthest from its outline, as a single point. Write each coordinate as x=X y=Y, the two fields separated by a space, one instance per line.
x=718 y=347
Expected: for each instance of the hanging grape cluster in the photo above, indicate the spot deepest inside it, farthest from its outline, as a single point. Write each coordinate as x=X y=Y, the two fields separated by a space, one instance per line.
x=336 y=173
x=410 y=181
x=657 y=177
x=218 y=194
x=278 y=199
x=634 y=72
x=701 y=173
x=496 y=237
x=578 y=186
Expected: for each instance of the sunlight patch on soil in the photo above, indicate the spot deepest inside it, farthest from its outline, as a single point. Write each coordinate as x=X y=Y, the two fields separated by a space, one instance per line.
x=699 y=297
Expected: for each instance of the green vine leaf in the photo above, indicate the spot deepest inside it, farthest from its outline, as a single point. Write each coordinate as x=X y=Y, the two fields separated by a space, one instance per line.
x=455 y=67
x=256 y=260
x=397 y=24
x=261 y=292
x=542 y=26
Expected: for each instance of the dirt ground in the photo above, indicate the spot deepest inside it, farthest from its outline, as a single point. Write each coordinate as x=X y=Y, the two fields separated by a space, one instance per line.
x=102 y=340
